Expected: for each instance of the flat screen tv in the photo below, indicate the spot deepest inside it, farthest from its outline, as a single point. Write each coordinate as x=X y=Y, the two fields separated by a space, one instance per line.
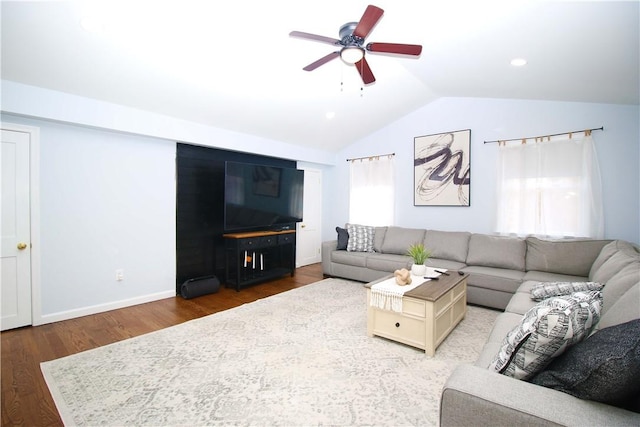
x=258 y=197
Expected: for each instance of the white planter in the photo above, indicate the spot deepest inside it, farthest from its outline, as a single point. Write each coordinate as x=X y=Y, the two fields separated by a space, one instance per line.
x=418 y=270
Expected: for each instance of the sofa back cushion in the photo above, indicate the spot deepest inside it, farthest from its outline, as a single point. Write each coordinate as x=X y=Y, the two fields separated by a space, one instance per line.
x=624 y=255
x=572 y=257
x=607 y=251
x=496 y=251
x=619 y=284
x=378 y=238
x=450 y=245
x=624 y=309
x=398 y=239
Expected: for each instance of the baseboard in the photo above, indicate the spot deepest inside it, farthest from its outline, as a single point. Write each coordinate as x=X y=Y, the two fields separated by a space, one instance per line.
x=101 y=308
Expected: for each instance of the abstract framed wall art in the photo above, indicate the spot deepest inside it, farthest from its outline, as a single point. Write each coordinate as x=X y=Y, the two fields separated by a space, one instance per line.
x=442 y=169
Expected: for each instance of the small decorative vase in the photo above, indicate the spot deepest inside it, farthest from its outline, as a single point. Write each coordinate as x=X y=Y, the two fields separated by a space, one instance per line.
x=418 y=269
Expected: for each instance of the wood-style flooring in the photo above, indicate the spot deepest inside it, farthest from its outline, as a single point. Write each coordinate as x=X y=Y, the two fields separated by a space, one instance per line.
x=25 y=398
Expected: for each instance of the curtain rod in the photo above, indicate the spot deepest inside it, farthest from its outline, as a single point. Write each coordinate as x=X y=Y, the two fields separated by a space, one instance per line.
x=545 y=136
x=371 y=157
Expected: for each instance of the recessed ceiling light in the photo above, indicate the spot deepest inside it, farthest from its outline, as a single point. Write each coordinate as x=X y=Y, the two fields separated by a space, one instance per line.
x=330 y=115
x=518 y=62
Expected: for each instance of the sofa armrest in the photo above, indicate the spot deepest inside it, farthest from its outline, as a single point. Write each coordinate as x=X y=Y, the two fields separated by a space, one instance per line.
x=476 y=396
x=328 y=247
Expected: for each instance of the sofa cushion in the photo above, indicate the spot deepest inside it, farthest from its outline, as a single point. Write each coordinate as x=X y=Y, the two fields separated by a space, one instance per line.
x=572 y=257
x=619 y=284
x=553 y=289
x=495 y=251
x=607 y=252
x=499 y=279
x=626 y=308
x=545 y=332
x=504 y=323
x=360 y=238
x=520 y=303
x=398 y=239
x=444 y=263
x=604 y=367
x=388 y=262
x=343 y=239
x=451 y=245
x=378 y=238
x=618 y=261
x=544 y=276
x=357 y=259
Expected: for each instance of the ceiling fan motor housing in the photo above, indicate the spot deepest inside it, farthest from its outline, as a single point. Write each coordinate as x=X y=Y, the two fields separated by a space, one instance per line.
x=346 y=35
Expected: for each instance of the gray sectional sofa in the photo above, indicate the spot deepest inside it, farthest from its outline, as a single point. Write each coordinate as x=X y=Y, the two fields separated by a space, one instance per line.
x=502 y=270
x=497 y=266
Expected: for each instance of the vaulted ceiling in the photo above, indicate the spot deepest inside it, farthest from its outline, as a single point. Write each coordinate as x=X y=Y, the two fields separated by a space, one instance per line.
x=233 y=65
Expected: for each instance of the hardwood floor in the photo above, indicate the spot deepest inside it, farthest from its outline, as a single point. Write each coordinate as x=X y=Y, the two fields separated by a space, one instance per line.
x=25 y=397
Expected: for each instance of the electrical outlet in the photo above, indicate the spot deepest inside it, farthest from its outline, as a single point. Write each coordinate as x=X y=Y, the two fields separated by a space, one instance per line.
x=120 y=275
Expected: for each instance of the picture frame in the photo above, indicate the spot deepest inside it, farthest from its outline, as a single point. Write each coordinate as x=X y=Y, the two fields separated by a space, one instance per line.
x=442 y=173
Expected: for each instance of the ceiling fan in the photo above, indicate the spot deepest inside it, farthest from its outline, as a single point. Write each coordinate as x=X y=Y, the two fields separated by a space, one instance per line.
x=352 y=51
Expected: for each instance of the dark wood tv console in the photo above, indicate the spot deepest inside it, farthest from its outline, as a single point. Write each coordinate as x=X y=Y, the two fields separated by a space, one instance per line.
x=258 y=256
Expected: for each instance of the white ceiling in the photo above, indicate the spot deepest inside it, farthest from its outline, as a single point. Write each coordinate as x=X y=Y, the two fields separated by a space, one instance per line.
x=232 y=65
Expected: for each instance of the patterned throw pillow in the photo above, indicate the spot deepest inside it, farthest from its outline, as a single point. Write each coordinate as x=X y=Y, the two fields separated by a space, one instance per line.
x=360 y=238
x=545 y=290
x=546 y=331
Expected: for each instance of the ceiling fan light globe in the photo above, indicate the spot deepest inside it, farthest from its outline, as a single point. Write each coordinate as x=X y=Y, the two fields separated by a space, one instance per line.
x=351 y=54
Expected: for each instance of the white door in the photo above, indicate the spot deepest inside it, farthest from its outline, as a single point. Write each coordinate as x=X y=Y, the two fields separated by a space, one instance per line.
x=308 y=237
x=15 y=264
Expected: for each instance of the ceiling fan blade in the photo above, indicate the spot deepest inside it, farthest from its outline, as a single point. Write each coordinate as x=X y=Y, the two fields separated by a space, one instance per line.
x=365 y=71
x=314 y=37
x=403 y=49
x=321 y=61
x=369 y=19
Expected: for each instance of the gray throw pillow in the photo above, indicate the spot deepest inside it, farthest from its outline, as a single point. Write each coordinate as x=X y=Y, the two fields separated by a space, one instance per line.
x=605 y=367
x=343 y=239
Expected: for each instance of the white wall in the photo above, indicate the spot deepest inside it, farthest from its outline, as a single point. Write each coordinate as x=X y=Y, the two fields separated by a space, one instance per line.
x=107 y=202
x=108 y=197
x=618 y=148
x=31 y=101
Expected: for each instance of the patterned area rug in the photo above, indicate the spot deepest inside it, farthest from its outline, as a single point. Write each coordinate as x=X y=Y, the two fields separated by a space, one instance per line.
x=297 y=358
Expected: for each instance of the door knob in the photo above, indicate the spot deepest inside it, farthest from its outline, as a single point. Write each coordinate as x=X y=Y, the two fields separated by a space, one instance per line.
x=22 y=246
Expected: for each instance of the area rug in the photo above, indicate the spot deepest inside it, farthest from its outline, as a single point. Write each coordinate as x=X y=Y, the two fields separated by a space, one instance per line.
x=301 y=357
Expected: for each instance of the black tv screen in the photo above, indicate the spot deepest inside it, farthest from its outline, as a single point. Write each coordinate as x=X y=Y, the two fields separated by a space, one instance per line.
x=262 y=197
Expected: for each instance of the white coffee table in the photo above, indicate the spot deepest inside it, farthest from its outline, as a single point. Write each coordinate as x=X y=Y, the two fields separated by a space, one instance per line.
x=429 y=313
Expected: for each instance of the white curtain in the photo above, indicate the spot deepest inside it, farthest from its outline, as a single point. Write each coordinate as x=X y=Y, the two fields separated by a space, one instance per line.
x=372 y=189
x=550 y=188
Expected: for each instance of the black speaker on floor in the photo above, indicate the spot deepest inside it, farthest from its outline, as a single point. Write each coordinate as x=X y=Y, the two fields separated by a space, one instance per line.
x=199 y=286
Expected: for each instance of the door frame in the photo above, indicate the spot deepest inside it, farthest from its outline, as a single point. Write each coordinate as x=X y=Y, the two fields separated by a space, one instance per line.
x=299 y=234
x=34 y=212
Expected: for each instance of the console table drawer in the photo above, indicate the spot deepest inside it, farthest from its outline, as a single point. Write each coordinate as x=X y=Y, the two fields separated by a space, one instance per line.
x=395 y=326
x=286 y=238
x=268 y=241
x=253 y=242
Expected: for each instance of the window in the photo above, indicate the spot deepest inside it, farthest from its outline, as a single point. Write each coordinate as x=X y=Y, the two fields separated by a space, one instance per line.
x=372 y=188
x=549 y=188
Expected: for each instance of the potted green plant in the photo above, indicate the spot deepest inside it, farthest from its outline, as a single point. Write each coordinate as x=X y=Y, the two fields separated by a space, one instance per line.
x=420 y=255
